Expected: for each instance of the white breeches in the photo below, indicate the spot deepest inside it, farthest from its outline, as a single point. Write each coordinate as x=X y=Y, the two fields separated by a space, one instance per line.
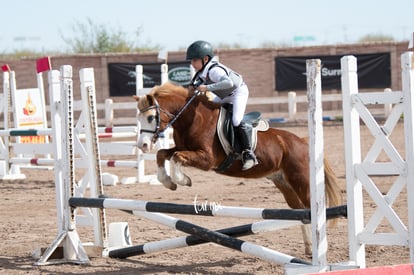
x=239 y=100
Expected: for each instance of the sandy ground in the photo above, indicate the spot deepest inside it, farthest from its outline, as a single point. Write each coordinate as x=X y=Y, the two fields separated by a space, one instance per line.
x=28 y=221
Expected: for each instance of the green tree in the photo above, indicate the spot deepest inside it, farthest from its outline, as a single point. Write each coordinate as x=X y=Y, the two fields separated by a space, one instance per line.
x=375 y=38
x=98 y=38
x=18 y=54
x=236 y=45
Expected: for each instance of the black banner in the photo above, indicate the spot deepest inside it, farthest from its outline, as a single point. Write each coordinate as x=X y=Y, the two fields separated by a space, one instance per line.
x=374 y=71
x=122 y=76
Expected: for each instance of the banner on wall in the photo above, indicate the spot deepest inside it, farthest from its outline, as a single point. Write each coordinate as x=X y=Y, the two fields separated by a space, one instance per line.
x=374 y=71
x=29 y=113
x=122 y=76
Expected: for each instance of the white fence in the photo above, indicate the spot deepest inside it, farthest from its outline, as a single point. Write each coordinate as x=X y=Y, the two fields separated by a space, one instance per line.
x=291 y=100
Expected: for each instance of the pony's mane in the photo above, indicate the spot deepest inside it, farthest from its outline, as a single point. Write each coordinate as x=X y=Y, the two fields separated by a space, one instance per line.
x=171 y=88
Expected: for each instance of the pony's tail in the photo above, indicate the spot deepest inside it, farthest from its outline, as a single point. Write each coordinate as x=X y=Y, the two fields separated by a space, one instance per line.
x=332 y=189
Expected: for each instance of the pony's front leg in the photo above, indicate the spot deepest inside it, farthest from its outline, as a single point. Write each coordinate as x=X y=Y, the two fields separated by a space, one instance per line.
x=163 y=177
x=198 y=159
x=177 y=175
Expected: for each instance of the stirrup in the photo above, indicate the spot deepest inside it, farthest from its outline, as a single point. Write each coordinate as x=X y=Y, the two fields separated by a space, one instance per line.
x=249 y=160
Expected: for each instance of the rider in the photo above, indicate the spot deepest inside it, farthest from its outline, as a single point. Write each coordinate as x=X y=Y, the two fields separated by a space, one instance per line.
x=228 y=86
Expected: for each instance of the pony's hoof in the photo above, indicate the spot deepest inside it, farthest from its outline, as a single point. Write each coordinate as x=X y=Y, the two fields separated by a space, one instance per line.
x=170 y=185
x=183 y=180
x=188 y=182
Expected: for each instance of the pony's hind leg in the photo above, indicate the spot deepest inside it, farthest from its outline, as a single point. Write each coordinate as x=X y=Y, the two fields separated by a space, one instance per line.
x=290 y=195
x=307 y=237
x=294 y=202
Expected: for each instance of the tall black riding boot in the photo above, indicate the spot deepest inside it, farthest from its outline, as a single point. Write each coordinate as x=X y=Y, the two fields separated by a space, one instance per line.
x=244 y=135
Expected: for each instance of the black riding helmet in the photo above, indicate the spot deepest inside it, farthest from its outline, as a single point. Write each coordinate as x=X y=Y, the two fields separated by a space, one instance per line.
x=199 y=49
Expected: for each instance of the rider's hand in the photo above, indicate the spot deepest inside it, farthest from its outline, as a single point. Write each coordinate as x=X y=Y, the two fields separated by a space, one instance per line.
x=202 y=88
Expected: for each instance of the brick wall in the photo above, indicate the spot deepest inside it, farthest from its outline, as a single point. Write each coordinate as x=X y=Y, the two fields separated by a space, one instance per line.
x=256 y=66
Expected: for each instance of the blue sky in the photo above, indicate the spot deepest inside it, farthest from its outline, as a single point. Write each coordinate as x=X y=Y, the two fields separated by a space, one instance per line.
x=39 y=24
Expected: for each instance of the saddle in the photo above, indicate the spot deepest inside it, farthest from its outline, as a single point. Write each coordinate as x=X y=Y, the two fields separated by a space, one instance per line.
x=227 y=137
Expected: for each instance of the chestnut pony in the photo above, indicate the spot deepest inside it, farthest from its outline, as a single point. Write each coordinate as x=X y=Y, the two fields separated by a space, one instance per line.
x=283 y=156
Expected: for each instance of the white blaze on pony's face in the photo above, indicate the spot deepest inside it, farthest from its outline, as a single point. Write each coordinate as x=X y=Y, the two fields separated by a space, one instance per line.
x=147 y=124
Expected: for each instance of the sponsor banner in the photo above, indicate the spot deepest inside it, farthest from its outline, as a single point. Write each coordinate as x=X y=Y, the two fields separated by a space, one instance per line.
x=122 y=76
x=374 y=71
x=29 y=113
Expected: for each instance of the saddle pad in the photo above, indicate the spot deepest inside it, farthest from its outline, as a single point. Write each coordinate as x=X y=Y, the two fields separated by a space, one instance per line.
x=263 y=126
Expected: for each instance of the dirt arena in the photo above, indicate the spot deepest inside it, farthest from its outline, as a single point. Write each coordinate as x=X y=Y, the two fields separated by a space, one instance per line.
x=28 y=221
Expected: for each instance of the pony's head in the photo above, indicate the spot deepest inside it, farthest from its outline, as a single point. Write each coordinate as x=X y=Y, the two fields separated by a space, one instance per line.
x=147 y=116
x=155 y=110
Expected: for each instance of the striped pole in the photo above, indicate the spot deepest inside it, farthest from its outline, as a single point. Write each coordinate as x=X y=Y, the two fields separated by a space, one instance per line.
x=303 y=215
x=163 y=245
x=221 y=239
x=112 y=135
x=119 y=163
x=27 y=132
x=118 y=132
x=80 y=163
x=33 y=161
x=119 y=129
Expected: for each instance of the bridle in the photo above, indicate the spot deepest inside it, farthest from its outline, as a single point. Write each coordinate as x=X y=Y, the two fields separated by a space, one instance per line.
x=158 y=132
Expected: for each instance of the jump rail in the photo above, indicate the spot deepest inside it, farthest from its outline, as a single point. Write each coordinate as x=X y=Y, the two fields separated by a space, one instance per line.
x=303 y=215
x=222 y=239
x=179 y=242
x=143 y=209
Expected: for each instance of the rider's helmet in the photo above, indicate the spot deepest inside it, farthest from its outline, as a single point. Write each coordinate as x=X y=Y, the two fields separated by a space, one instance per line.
x=199 y=49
